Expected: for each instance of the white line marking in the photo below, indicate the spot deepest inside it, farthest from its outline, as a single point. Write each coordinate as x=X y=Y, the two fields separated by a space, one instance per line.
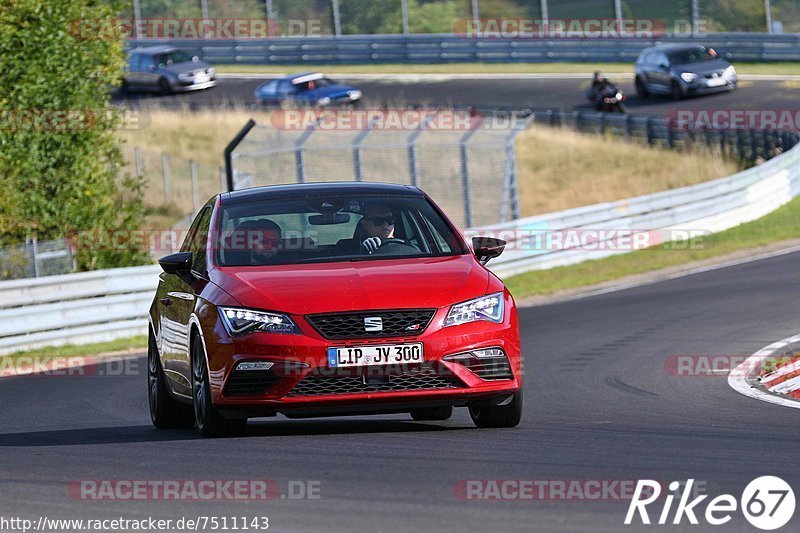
x=738 y=378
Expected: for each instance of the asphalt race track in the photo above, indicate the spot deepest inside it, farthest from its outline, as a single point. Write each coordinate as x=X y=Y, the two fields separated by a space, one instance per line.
x=599 y=406
x=554 y=93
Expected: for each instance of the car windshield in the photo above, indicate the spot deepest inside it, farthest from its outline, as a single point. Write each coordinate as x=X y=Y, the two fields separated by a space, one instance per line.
x=696 y=54
x=171 y=58
x=312 y=229
x=314 y=84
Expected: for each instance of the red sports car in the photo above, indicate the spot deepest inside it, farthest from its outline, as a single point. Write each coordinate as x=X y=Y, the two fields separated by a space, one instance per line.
x=326 y=300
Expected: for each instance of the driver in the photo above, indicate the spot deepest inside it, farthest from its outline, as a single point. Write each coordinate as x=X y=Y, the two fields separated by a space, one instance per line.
x=261 y=238
x=376 y=226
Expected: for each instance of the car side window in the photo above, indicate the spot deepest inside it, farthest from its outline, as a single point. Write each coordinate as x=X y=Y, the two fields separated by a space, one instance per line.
x=198 y=245
x=145 y=61
x=270 y=89
x=286 y=88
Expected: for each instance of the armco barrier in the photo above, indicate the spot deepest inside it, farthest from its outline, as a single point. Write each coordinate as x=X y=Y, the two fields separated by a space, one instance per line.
x=75 y=308
x=107 y=304
x=712 y=206
x=449 y=48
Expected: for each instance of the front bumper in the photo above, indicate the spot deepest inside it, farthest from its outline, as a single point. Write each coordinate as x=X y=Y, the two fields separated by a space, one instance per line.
x=187 y=86
x=700 y=86
x=297 y=357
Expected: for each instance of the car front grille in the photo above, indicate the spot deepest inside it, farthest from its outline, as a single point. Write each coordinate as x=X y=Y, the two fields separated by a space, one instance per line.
x=399 y=323
x=249 y=382
x=425 y=377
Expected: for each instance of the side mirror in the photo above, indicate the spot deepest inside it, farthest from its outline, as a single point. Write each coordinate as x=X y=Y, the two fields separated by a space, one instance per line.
x=487 y=248
x=179 y=264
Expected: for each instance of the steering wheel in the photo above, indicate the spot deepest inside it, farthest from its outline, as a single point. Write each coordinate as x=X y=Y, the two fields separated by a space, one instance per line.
x=394 y=246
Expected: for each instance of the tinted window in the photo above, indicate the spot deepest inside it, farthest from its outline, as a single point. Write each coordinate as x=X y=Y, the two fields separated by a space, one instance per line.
x=285 y=88
x=199 y=242
x=695 y=54
x=172 y=58
x=332 y=228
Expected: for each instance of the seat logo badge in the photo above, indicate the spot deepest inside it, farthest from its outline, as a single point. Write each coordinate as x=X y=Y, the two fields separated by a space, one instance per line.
x=373 y=323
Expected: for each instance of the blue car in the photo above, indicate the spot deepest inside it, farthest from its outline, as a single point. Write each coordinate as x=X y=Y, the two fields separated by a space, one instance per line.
x=309 y=89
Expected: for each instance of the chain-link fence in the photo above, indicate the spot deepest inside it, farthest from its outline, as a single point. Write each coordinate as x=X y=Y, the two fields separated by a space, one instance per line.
x=34 y=259
x=371 y=17
x=175 y=187
x=471 y=173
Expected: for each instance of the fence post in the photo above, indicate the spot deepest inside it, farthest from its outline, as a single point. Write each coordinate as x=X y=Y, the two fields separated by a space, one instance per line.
x=510 y=183
x=404 y=9
x=465 y=184
x=165 y=177
x=360 y=138
x=411 y=142
x=195 y=186
x=695 y=18
x=299 y=164
x=337 y=19
x=35 y=256
x=545 y=11
x=768 y=12
x=223 y=180
x=137 y=158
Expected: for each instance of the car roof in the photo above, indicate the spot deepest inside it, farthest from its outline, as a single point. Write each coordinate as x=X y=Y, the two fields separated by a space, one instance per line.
x=273 y=192
x=302 y=77
x=670 y=47
x=157 y=49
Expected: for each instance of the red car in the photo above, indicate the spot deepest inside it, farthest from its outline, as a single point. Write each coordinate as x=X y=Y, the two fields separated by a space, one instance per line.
x=326 y=300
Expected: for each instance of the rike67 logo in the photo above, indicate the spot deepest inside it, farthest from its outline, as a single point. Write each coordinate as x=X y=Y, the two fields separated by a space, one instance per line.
x=767 y=503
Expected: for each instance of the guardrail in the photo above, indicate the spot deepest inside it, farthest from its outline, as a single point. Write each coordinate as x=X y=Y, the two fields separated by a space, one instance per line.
x=75 y=308
x=708 y=207
x=450 y=48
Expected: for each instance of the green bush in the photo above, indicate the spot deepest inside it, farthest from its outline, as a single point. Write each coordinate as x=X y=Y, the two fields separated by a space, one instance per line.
x=59 y=156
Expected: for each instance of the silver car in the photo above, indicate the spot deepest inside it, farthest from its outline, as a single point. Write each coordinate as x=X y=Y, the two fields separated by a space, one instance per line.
x=166 y=70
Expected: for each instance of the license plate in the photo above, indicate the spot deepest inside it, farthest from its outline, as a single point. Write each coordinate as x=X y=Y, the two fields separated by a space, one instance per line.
x=716 y=82
x=201 y=78
x=376 y=355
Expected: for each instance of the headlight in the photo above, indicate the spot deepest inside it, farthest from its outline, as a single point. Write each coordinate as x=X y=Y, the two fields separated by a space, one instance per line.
x=688 y=77
x=243 y=321
x=354 y=95
x=186 y=76
x=211 y=72
x=618 y=96
x=729 y=72
x=324 y=101
x=489 y=308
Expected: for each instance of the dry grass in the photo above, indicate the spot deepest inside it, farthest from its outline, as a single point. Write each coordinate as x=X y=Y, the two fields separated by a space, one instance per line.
x=560 y=169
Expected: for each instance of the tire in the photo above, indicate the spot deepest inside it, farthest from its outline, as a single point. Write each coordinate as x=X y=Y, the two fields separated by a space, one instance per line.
x=164 y=87
x=641 y=88
x=165 y=411
x=208 y=421
x=432 y=413
x=498 y=416
x=675 y=91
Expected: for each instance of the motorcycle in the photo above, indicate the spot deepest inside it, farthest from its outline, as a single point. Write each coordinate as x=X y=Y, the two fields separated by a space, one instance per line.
x=608 y=98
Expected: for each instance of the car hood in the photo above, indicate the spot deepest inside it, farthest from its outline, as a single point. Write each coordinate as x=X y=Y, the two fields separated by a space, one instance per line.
x=348 y=286
x=706 y=67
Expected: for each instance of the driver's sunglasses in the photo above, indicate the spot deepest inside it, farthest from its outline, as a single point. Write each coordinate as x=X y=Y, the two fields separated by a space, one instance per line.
x=379 y=221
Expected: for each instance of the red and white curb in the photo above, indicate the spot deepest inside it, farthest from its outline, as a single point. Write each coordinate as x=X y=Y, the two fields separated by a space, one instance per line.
x=780 y=386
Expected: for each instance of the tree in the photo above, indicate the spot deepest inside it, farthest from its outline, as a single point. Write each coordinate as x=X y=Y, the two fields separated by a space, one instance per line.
x=59 y=156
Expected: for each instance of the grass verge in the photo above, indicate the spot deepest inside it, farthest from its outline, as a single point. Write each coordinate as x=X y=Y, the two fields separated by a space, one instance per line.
x=487 y=68
x=137 y=343
x=782 y=224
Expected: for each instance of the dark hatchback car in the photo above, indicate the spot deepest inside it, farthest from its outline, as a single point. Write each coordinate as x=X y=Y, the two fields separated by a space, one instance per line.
x=309 y=89
x=166 y=70
x=681 y=70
